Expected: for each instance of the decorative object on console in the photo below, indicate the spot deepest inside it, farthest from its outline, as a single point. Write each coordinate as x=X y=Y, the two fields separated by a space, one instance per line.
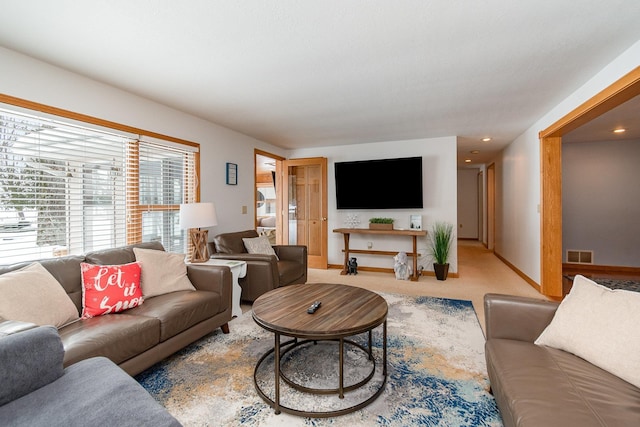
x=193 y=217
x=110 y=288
x=401 y=266
x=352 y=221
x=381 y=223
x=415 y=222
x=352 y=266
x=440 y=240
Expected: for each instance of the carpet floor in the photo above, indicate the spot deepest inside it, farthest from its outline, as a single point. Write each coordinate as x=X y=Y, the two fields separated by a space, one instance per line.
x=436 y=373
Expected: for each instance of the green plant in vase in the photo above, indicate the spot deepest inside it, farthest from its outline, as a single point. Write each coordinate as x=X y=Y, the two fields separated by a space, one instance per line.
x=440 y=240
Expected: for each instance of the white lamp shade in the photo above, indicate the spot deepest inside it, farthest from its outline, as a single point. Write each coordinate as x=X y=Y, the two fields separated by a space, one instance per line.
x=197 y=215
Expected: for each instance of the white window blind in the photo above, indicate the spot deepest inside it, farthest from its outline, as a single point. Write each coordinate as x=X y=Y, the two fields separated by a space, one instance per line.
x=69 y=189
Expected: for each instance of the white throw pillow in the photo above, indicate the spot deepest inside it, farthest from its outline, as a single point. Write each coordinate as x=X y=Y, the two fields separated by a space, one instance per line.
x=259 y=245
x=162 y=272
x=31 y=294
x=599 y=325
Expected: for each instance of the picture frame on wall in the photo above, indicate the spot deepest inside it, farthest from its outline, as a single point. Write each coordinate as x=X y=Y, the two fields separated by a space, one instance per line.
x=232 y=174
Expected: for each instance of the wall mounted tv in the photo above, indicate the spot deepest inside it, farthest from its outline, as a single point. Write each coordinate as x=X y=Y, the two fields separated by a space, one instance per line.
x=379 y=184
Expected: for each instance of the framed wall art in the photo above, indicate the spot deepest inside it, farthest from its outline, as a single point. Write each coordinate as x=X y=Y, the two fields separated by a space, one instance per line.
x=232 y=174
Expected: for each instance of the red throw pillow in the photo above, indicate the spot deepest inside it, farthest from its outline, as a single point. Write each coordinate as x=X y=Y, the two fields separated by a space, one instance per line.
x=109 y=288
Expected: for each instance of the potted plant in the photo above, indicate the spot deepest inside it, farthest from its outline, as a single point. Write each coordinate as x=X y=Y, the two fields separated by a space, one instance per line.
x=440 y=240
x=381 y=223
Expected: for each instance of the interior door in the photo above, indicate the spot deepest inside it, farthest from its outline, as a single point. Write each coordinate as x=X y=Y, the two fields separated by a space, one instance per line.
x=304 y=207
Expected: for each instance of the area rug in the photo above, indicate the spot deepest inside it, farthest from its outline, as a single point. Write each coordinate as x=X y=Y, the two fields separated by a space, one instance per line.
x=436 y=374
x=623 y=284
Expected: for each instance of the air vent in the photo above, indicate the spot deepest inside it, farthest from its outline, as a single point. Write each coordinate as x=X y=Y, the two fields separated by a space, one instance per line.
x=580 y=257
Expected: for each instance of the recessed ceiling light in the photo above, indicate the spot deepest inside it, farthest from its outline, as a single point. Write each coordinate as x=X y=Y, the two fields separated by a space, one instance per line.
x=486 y=139
x=474 y=152
x=467 y=160
x=619 y=130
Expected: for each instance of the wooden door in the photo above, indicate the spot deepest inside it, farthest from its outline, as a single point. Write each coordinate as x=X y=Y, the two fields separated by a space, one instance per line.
x=304 y=208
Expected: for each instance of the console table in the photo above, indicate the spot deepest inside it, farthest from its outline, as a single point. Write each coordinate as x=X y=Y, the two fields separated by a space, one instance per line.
x=414 y=234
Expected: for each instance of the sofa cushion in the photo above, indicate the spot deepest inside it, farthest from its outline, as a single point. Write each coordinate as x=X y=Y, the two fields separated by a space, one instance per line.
x=31 y=294
x=541 y=386
x=178 y=311
x=599 y=325
x=90 y=393
x=162 y=272
x=119 y=337
x=109 y=288
x=29 y=360
x=259 y=245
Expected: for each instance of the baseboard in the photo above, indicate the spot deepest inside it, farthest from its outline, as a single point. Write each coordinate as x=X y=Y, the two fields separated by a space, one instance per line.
x=526 y=278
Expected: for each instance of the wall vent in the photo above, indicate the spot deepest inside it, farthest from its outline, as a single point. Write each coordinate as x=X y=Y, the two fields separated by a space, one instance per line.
x=580 y=257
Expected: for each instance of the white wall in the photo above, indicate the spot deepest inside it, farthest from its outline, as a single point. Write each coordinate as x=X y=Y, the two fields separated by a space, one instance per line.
x=439 y=191
x=29 y=79
x=468 y=203
x=601 y=201
x=518 y=173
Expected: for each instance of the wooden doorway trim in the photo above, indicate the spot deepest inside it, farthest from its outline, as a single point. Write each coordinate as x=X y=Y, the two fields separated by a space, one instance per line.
x=616 y=94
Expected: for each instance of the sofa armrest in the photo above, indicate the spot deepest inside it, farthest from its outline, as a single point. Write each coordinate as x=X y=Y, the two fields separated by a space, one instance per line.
x=212 y=278
x=296 y=253
x=29 y=360
x=515 y=317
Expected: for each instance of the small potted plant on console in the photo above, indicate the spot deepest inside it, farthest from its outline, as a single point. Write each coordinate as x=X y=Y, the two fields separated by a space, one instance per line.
x=440 y=240
x=381 y=223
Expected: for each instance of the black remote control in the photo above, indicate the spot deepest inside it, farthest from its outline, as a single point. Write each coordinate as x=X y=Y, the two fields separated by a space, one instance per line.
x=312 y=309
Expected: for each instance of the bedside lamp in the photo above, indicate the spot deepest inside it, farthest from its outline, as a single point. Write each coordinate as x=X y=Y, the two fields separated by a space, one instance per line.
x=193 y=217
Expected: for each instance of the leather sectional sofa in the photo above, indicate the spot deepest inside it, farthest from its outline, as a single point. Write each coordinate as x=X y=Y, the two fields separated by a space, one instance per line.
x=538 y=386
x=137 y=338
x=264 y=272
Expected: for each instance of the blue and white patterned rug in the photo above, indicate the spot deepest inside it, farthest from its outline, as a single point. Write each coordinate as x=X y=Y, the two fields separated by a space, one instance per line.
x=436 y=374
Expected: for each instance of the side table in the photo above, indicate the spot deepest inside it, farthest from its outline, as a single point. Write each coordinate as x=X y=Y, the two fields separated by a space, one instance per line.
x=238 y=270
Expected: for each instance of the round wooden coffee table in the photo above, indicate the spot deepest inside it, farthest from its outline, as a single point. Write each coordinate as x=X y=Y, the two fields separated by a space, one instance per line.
x=345 y=311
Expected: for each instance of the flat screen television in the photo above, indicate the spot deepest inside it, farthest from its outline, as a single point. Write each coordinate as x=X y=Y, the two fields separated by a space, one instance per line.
x=379 y=184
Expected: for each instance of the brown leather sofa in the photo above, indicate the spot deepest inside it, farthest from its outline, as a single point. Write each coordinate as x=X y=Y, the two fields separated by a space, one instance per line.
x=542 y=386
x=264 y=272
x=138 y=338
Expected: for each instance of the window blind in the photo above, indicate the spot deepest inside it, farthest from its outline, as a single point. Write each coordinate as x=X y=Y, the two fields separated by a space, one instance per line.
x=69 y=189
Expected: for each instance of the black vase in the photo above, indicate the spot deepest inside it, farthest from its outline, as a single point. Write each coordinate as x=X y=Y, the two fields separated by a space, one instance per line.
x=442 y=270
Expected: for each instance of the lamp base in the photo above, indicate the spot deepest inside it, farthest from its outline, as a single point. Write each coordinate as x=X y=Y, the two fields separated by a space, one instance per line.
x=199 y=238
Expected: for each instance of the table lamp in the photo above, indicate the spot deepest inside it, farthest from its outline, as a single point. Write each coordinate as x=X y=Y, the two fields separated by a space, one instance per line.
x=193 y=217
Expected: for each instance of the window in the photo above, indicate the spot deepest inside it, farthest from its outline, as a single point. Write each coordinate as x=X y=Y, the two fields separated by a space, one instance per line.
x=69 y=189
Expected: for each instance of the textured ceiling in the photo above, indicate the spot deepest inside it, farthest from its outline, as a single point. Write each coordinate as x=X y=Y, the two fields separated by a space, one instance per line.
x=298 y=73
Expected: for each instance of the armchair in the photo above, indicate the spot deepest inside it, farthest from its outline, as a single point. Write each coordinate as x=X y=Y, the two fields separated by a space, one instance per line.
x=264 y=272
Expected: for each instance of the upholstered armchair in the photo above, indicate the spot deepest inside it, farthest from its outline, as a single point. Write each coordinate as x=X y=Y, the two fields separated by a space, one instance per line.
x=264 y=272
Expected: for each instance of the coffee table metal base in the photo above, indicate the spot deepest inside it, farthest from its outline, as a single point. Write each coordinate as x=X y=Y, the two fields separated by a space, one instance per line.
x=281 y=348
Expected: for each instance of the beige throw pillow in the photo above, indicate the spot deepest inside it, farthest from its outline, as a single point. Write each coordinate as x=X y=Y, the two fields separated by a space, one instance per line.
x=599 y=325
x=33 y=295
x=259 y=245
x=162 y=272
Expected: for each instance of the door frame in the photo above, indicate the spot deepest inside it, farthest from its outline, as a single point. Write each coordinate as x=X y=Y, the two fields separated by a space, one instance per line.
x=619 y=92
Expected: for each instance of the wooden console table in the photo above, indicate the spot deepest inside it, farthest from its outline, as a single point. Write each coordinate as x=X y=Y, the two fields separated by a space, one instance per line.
x=413 y=233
